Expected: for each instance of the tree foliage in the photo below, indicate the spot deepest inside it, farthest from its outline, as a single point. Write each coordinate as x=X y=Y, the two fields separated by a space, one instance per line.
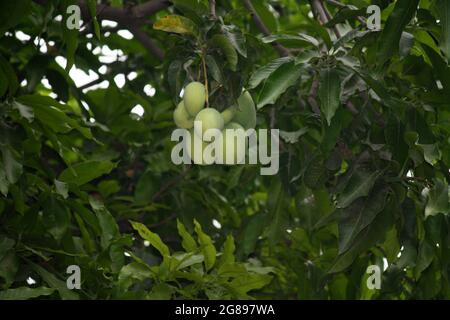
x=364 y=160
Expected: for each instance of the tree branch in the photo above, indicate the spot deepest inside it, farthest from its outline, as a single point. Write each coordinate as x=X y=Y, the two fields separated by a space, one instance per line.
x=150 y=8
x=130 y=18
x=212 y=9
x=91 y=83
x=345 y=6
x=146 y=41
x=126 y=15
x=312 y=96
x=282 y=51
x=318 y=11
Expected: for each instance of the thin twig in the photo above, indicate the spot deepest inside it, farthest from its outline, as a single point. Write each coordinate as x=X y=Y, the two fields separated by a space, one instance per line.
x=282 y=51
x=162 y=222
x=312 y=97
x=146 y=41
x=169 y=184
x=321 y=12
x=345 y=6
x=212 y=9
x=205 y=75
x=91 y=83
x=335 y=28
x=351 y=107
x=131 y=18
x=318 y=11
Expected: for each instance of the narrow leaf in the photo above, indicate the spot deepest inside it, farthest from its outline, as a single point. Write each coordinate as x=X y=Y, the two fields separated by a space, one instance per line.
x=444 y=10
x=329 y=93
x=206 y=246
x=358 y=186
x=277 y=83
x=388 y=43
x=86 y=171
x=177 y=24
x=24 y=293
x=151 y=237
x=188 y=242
x=263 y=72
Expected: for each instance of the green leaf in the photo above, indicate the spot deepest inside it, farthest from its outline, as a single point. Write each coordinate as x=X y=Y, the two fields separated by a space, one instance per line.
x=188 y=259
x=236 y=38
x=378 y=87
x=11 y=12
x=424 y=258
x=146 y=187
x=232 y=270
x=294 y=136
x=87 y=239
x=4 y=183
x=85 y=172
x=277 y=83
x=3 y=83
x=108 y=187
x=440 y=67
x=226 y=47
x=86 y=215
x=346 y=14
x=25 y=111
x=108 y=225
x=56 y=217
x=9 y=265
x=214 y=69
x=153 y=238
x=5 y=245
x=278 y=216
x=51 y=114
x=358 y=216
x=371 y=235
x=116 y=3
x=265 y=71
x=9 y=77
x=388 y=43
x=266 y=15
x=438 y=200
x=19 y=200
x=329 y=93
x=62 y=188
x=359 y=185
x=251 y=233
x=70 y=36
x=249 y=282
x=92 y=5
x=188 y=243
x=177 y=24
x=25 y=293
x=135 y=271
x=444 y=11
x=175 y=76
x=206 y=246
x=55 y=283
x=12 y=168
x=193 y=9
x=299 y=39
x=228 y=251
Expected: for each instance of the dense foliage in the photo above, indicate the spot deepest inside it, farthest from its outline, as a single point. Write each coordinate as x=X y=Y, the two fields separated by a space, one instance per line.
x=364 y=161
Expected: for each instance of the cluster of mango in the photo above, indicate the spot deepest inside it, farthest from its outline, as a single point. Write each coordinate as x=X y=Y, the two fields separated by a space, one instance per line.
x=191 y=114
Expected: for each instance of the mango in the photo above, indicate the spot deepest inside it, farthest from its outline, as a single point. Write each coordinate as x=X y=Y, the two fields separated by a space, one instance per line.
x=209 y=118
x=182 y=118
x=230 y=151
x=246 y=111
x=194 y=98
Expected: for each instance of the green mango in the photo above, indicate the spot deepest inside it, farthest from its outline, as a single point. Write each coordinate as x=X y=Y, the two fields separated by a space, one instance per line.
x=246 y=111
